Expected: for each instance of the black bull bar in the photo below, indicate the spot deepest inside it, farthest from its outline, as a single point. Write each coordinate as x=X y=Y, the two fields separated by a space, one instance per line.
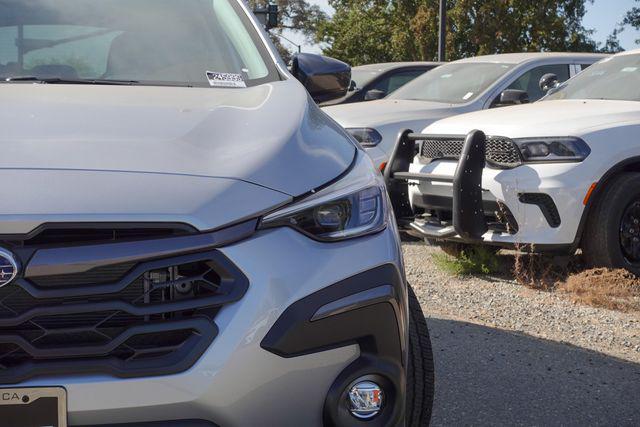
x=469 y=221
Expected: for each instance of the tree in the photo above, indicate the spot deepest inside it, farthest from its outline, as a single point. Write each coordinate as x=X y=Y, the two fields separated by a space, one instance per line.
x=632 y=18
x=393 y=30
x=295 y=15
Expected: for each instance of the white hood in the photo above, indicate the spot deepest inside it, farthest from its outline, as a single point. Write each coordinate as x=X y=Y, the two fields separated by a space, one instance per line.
x=546 y=118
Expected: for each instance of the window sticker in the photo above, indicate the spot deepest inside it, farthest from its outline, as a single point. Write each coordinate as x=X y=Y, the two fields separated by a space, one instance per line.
x=467 y=96
x=225 y=79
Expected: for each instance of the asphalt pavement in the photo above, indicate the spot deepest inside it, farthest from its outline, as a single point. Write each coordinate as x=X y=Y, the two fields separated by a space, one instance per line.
x=492 y=377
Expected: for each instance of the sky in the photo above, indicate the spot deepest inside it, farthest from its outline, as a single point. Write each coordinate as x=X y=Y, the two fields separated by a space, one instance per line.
x=602 y=16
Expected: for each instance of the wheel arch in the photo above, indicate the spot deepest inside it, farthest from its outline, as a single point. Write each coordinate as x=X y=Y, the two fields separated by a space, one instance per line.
x=632 y=164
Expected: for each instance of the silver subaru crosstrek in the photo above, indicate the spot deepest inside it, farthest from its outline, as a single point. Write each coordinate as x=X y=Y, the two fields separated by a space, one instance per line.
x=186 y=240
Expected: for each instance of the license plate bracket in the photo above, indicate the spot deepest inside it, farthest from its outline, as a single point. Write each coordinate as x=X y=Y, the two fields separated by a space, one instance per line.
x=33 y=407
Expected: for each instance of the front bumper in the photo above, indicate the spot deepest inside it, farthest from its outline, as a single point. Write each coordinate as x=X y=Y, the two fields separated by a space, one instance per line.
x=241 y=379
x=532 y=204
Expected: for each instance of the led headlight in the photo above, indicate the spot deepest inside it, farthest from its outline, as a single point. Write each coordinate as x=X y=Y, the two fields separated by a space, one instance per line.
x=560 y=149
x=354 y=206
x=367 y=137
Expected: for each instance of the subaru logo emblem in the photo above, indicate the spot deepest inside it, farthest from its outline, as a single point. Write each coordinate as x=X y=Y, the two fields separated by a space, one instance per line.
x=8 y=267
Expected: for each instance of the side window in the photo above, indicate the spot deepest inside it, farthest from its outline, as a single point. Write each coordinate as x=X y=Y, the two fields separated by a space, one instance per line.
x=582 y=67
x=394 y=81
x=529 y=81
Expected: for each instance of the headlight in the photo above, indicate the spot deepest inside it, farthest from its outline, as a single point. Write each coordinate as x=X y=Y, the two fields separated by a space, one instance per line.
x=561 y=149
x=367 y=137
x=354 y=206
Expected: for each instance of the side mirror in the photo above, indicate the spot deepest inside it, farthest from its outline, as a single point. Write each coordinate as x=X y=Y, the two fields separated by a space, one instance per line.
x=548 y=81
x=268 y=16
x=374 y=94
x=513 y=97
x=325 y=78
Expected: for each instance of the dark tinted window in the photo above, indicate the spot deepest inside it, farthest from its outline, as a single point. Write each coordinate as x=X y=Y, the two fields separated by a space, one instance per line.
x=530 y=81
x=396 y=80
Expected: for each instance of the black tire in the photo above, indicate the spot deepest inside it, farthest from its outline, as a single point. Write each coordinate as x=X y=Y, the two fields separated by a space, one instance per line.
x=420 y=379
x=602 y=241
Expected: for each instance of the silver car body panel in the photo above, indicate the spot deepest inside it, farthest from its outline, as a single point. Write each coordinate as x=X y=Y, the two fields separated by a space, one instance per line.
x=263 y=135
x=236 y=382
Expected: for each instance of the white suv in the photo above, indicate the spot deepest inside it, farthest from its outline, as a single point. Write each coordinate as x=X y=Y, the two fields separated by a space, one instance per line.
x=458 y=87
x=559 y=174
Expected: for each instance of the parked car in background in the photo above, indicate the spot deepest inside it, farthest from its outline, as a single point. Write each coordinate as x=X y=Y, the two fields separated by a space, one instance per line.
x=554 y=176
x=458 y=87
x=375 y=81
x=186 y=239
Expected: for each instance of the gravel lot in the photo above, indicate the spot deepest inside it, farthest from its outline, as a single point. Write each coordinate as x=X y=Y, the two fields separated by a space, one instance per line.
x=508 y=355
x=504 y=304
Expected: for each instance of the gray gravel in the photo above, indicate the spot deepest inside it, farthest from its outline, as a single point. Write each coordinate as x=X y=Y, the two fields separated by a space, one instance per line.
x=508 y=355
x=504 y=304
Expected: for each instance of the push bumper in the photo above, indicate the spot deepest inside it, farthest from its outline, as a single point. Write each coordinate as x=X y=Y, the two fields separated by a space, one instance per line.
x=468 y=219
x=466 y=201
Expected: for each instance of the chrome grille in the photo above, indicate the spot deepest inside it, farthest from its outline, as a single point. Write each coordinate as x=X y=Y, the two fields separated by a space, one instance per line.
x=500 y=151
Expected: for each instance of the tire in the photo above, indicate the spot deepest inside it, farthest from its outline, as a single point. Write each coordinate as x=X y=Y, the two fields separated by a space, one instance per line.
x=604 y=238
x=420 y=378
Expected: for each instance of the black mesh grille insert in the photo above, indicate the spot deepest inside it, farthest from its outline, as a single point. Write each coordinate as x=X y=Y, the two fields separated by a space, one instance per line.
x=500 y=151
x=159 y=319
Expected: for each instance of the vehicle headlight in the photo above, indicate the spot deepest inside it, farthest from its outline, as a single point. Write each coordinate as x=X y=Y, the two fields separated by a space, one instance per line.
x=560 y=149
x=354 y=206
x=367 y=137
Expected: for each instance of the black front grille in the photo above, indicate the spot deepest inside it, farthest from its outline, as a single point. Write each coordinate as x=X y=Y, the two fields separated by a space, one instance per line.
x=500 y=151
x=154 y=317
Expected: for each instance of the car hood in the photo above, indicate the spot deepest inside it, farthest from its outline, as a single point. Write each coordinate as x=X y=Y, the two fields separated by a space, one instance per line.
x=206 y=157
x=385 y=111
x=546 y=118
x=269 y=135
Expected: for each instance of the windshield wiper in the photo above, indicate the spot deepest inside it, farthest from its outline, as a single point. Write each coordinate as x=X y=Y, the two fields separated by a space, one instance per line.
x=61 y=80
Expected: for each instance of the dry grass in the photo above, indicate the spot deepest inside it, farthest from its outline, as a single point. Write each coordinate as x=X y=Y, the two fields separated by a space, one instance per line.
x=601 y=287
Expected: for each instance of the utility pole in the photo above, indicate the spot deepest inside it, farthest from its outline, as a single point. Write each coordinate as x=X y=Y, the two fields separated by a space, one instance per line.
x=442 y=39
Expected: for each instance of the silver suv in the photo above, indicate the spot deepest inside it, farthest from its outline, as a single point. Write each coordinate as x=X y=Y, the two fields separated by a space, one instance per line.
x=185 y=238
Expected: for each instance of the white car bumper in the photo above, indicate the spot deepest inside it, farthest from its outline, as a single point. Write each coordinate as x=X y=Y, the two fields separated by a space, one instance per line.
x=565 y=183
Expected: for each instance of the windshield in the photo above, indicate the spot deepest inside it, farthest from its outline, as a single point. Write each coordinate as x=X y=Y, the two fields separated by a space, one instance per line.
x=454 y=83
x=208 y=43
x=616 y=78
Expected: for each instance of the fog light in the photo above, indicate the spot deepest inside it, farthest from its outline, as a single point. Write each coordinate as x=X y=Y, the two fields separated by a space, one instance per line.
x=365 y=400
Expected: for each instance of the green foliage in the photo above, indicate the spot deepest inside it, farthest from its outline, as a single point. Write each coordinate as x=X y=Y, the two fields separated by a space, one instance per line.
x=632 y=18
x=392 y=30
x=296 y=15
x=476 y=260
